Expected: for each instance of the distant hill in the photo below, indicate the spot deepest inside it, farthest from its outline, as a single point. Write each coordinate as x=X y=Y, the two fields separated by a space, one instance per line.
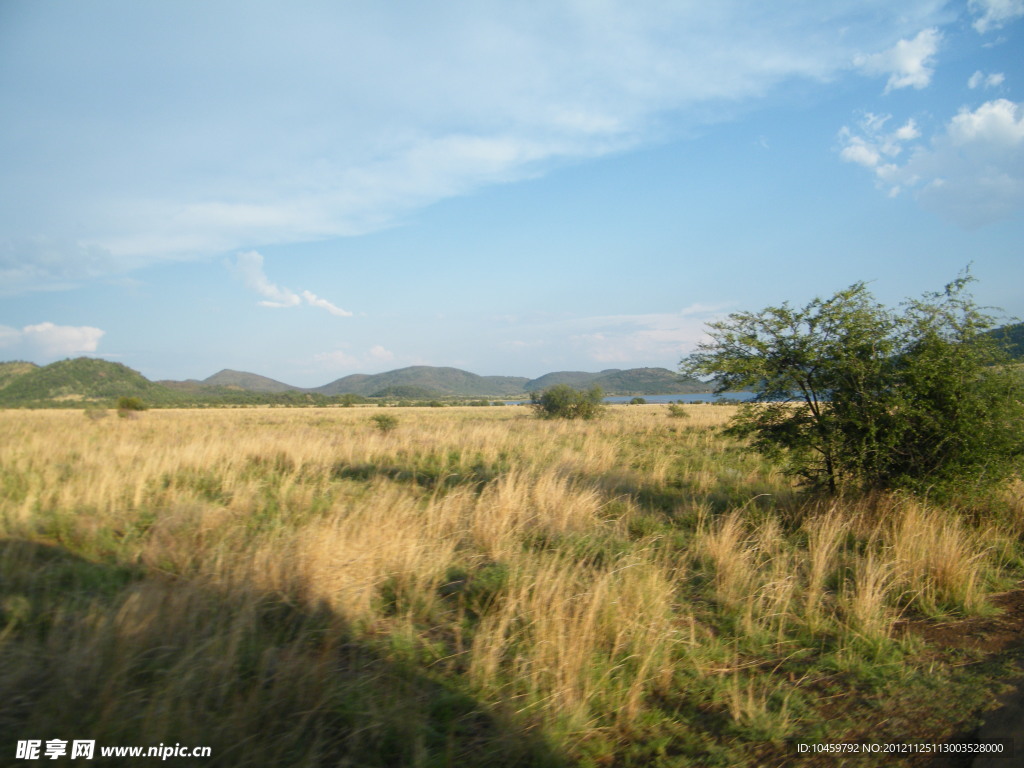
x=648 y=381
x=9 y=372
x=438 y=382
x=614 y=381
x=84 y=378
x=248 y=381
x=89 y=380
x=1012 y=339
x=578 y=379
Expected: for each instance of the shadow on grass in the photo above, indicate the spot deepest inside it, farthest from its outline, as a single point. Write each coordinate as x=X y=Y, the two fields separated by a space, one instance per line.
x=112 y=653
x=429 y=475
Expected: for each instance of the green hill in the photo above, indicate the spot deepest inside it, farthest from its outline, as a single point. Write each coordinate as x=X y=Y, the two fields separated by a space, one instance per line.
x=89 y=380
x=614 y=381
x=1012 y=339
x=249 y=381
x=648 y=381
x=81 y=379
x=10 y=372
x=440 y=382
x=577 y=379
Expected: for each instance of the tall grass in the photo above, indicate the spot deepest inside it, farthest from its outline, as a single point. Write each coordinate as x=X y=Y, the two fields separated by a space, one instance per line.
x=474 y=586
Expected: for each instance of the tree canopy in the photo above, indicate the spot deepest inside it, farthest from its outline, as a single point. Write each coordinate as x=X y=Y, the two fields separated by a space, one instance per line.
x=564 y=402
x=850 y=393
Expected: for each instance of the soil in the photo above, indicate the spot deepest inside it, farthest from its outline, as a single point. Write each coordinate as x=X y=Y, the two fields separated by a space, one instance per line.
x=992 y=638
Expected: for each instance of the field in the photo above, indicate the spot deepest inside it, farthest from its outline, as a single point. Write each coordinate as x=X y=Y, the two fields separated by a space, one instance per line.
x=474 y=587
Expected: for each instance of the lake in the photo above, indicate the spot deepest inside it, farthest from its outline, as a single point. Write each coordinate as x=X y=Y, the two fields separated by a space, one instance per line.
x=707 y=397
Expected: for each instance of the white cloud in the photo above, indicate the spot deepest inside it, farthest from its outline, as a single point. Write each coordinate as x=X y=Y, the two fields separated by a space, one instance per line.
x=909 y=63
x=248 y=267
x=43 y=262
x=995 y=124
x=9 y=336
x=338 y=359
x=377 y=352
x=907 y=132
x=344 y=360
x=48 y=340
x=874 y=147
x=637 y=340
x=994 y=14
x=859 y=151
x=971 y=173
x=378 y=109
x=315 y=301
x=981 y=80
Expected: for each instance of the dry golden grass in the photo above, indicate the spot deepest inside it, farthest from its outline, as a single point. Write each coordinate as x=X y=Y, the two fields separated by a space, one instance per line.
x=196 y=572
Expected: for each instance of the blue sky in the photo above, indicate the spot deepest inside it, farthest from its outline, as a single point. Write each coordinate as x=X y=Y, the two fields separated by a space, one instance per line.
x=313 y=189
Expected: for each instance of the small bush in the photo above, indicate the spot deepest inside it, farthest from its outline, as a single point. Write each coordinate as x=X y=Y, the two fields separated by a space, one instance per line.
x=638 y=401
x=130 y=407
x=564 y=402
x=676 y=411
x=95 y=414
x=385 y=422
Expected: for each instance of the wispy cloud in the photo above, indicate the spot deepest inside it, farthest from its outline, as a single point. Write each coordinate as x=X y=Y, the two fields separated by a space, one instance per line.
x=377 y=352
x=981 y=80
x=48 y=340
x=658 y=338
x=315 y=301
x=972 y=172
x=876 y=148
x=53 y=263
x=344 y=360
x=994 y=14
x=909 y=63
x=381 y=110
x=248 y=267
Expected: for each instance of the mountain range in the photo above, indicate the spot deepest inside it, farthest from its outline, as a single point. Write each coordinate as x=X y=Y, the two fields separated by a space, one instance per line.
x=87 y=379
x=91 y=380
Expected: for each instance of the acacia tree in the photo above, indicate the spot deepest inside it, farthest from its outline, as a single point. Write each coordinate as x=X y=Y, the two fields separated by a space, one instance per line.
x=851 y=393
x=564 y=402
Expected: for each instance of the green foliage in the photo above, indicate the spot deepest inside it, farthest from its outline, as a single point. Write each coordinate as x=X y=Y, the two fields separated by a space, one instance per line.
x=563 y=402
x=1011 y=338
x=638 y=401
x=385 y=422
x=677 y=411
x=130 y=404
x=70 y=381
x=407 y=392
x=853 y=394
x=12 y=370
x=635 y=381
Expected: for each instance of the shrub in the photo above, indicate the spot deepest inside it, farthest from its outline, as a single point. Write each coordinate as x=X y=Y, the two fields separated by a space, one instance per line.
x=677 y=411
x=853 y=394
x=563 y=402
x=638 y=401
x=129 y=407
x=385 y=422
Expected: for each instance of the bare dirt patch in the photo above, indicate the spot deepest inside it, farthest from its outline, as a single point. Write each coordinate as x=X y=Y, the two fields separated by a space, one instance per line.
x=990 y=641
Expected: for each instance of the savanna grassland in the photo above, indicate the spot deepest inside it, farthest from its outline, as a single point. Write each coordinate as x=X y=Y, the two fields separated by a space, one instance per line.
x=472 y=587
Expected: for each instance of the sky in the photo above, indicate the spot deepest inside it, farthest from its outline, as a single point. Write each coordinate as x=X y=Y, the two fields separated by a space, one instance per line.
x=307 y=190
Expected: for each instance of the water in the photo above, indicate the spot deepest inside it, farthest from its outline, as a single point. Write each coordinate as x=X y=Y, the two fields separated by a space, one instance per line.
x=706 y=397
